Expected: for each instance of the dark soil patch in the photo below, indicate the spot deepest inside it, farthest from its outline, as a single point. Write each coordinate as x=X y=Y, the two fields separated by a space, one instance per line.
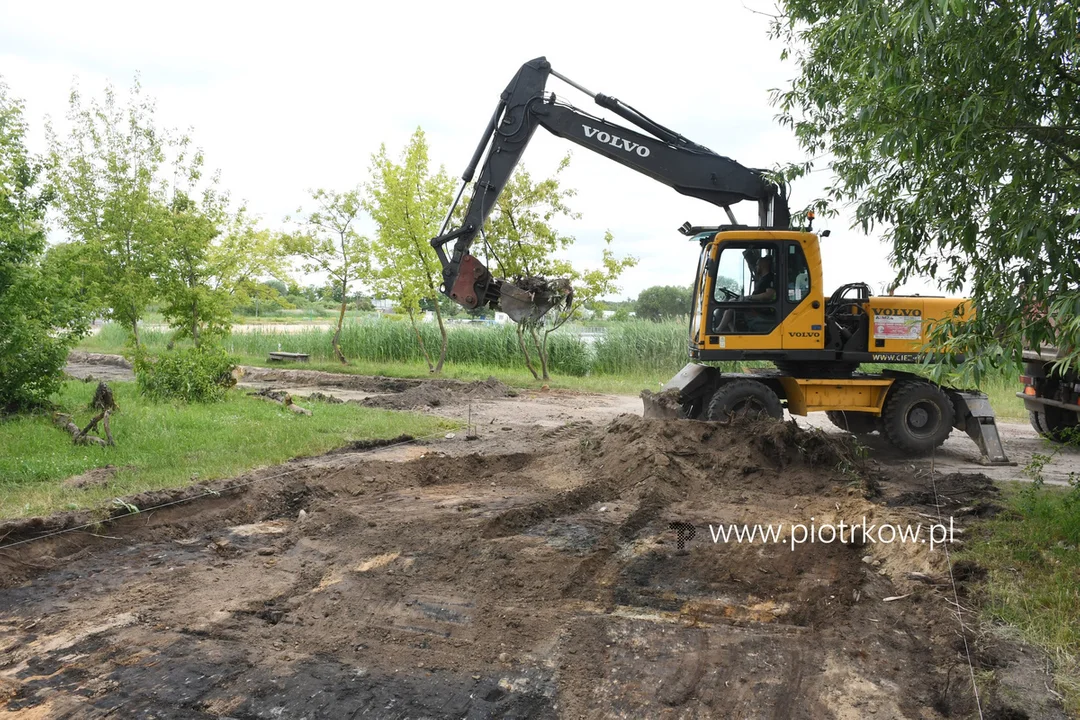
x=437 y=393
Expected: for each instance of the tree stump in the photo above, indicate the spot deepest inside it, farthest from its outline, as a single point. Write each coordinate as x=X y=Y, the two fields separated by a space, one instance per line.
x=104 y=402
x=103 y=399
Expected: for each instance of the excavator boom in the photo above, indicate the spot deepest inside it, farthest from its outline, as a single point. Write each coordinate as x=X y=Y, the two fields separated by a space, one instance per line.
x=659 y=153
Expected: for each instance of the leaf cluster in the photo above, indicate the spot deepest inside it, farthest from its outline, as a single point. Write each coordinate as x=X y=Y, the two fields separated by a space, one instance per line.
x=953 y=127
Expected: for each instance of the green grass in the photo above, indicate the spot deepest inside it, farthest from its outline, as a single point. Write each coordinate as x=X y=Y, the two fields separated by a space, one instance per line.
x=629 y=357
x=162 y=445
x=1032 y=557
x=631 y=384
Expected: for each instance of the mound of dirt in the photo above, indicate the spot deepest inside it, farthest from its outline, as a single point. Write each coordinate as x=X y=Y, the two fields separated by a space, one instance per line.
x=436 y=393
x=688 y=459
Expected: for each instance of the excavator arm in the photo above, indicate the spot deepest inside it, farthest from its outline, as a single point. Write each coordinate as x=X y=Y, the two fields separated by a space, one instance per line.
x=661 y=154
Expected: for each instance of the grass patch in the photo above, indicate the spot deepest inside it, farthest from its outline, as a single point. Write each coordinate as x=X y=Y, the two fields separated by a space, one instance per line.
x=630 y=384
x=164 y=445
x=627 y=358
x=1032 y=556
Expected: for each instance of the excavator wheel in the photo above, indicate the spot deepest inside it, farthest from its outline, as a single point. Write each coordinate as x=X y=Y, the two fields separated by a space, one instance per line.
x=854 y=422
x=743 y=400
x=917 y=416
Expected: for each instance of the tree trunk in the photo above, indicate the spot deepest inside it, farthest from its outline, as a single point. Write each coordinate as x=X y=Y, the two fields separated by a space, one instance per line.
x=195 y=322
x=525 y=352
x=336 y=342
x=541 y=353
x=337 y=334
x=135 y=331
x=541 y=350
x=420 y=339
x=442 y=332
x=543 y=345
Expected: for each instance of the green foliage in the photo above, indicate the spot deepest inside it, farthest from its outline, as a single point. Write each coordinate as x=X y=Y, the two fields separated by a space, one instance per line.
x=1031 y=555
x=194 y=374
x=107 y=180
x=663 y=302
x=191 y=304
x=519 y=238
x=328 y=242
x=168 y=445
x=640 y=346
x=521 y=241
x=407 y=203
x=40 y=316
x=954 y=127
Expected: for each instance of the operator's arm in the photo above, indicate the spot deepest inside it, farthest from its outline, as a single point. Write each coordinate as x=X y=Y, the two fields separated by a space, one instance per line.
x=766 y=289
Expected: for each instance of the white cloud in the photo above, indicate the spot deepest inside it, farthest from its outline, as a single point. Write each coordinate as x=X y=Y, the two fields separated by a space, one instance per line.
x=284 y=97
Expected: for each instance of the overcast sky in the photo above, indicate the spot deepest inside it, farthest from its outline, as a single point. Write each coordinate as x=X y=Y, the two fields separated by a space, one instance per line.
x=286 y=97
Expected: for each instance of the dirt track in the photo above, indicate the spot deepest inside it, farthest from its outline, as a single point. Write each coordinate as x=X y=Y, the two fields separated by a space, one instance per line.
x=533 y=572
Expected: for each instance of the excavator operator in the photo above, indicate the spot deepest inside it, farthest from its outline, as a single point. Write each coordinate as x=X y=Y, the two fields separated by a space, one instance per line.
x=763 y=291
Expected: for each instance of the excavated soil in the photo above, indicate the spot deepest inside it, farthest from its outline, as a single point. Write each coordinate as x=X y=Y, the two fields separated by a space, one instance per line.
x=538 y=578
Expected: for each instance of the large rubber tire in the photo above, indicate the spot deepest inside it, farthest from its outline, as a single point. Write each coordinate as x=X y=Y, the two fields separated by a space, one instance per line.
x=1053 y=423
x=856 y=423
x=1038 y=421
x=743 y=400
x=917 y=416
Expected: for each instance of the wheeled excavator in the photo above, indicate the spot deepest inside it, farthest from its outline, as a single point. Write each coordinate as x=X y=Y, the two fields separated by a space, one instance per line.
x=816 y=342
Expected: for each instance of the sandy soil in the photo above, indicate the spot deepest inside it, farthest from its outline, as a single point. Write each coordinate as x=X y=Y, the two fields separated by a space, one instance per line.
x=535 y=571
x=551 y=408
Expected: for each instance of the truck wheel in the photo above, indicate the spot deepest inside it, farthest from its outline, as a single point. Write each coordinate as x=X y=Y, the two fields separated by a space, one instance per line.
x=743 y=400
x=1038 y=421
x=856 y=423
x=917 y=416
x=1053 y=423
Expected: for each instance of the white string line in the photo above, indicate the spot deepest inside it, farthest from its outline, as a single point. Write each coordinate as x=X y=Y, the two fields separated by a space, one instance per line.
x=208 y=493
x=952 y=580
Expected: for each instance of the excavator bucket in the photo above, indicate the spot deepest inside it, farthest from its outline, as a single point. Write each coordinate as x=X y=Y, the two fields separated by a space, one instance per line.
x=663 y=405
x=529 y=299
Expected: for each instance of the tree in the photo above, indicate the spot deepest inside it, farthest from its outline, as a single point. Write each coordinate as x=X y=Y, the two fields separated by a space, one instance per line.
x=188 y=227
x=40 y=316
x=106 y=178
x=520 y=241
x=954 y=126
x=663 y=302
x=588 y=287
x=407 y=202
x=328 y=242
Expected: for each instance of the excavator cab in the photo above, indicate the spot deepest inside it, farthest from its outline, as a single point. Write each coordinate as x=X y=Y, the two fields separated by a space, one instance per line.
x=757 y=293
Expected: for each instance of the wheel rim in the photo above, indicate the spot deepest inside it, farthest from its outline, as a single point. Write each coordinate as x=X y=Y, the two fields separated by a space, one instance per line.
x=923 y=418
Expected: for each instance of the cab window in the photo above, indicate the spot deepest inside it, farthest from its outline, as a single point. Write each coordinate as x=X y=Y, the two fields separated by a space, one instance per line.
x=798 y=274
x=746 y=291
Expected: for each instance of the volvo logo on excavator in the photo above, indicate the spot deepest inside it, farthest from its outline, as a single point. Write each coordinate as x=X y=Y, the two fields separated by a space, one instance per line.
x=616 y=141
x=902 y=312
x=804 y=334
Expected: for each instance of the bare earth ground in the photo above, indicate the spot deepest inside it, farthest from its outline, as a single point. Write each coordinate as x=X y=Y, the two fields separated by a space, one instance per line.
x=531 y=572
